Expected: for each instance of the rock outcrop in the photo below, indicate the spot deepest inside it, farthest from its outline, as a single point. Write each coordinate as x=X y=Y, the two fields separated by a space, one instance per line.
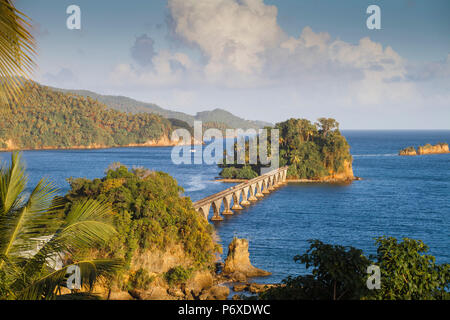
x=436 y=149
x=345 y=174
x=237 y=265
x=215 y=293
x=410 y=151
x=439 y=148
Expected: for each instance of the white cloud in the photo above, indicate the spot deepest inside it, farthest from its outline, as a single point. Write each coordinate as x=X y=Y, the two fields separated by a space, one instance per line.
x=232 y=35
x=245 y=48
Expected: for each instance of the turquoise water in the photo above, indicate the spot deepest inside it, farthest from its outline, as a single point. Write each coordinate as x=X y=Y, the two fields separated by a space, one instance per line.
x=398 y=196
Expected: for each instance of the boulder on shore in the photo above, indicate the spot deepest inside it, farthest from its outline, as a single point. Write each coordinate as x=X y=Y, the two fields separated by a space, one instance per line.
x=238 y=261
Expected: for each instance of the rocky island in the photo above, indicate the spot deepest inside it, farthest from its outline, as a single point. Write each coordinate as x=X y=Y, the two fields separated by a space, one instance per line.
x=314 y=152
x=439 y=148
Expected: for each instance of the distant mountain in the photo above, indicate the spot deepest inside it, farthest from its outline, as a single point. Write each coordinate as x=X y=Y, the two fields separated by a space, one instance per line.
x=222 y=118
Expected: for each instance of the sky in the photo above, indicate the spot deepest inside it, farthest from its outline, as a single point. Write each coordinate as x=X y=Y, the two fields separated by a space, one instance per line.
x=259 y=59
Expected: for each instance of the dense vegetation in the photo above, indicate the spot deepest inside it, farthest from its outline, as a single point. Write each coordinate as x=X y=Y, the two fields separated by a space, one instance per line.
x=149 y=214
x=221 y=117
x=339 y=273
x=48 y=118
x=312 y=151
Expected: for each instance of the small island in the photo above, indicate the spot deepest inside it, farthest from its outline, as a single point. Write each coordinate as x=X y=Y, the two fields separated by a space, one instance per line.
x=439 y=148
x=314 y=152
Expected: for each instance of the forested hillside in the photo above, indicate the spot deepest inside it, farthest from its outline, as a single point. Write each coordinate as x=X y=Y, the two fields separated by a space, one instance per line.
x=222 y=119
x=45 y=118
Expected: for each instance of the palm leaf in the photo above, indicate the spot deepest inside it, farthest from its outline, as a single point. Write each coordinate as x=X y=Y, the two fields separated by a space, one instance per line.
x=90 y=271
x=86 y=225
x=12 y=183
x=17 y=49
x=34 y=219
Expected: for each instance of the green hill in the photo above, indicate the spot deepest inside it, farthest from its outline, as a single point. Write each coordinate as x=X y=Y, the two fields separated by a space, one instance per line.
x=47 y=118
x=222 y=118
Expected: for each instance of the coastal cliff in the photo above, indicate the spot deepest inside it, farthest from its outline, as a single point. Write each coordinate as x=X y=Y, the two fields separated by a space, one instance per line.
x=439 y=148
x=344 y=174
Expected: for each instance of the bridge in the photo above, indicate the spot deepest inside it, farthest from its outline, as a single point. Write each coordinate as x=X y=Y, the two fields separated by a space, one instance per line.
x=251 y=191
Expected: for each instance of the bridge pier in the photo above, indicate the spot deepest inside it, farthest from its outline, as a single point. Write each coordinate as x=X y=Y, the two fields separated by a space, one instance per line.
x=237 y=200
x=216 y=207
x=265 y=186
x=259 y=189
x=253 y=197
x=271 y=187
x=226 y=204
x=245 y=201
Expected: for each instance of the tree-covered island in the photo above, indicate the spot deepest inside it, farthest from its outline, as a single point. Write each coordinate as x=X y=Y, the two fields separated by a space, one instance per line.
x=313 y=151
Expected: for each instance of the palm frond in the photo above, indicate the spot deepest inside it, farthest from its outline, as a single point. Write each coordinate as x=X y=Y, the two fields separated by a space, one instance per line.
x=35 y=219
x=17 y=50
x=12 y=183
x=86 y=225
x=90 y=271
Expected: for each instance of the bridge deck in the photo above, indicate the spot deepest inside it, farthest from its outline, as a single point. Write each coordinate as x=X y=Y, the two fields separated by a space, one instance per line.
x=269 y=180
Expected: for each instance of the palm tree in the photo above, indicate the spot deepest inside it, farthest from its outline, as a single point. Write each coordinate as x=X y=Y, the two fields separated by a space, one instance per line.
x=27 y=271
x=17 y=49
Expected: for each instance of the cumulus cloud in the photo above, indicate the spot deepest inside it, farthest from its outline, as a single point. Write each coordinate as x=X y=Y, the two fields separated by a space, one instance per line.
x=143 y=51
x=231 y=34
x=243 y=47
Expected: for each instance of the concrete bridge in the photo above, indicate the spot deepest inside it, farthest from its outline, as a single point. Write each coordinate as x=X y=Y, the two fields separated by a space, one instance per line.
x=250 y=191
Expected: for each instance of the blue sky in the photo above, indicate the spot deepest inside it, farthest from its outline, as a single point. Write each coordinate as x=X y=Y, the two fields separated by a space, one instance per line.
x=267 y=60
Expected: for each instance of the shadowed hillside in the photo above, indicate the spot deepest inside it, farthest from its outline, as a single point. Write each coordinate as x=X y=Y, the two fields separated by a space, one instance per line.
x=222 y=118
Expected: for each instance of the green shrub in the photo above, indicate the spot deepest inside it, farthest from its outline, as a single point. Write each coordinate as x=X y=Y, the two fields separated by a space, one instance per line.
x=177 y=275
x=229 y=173
x=246 y=172
x=140 y=280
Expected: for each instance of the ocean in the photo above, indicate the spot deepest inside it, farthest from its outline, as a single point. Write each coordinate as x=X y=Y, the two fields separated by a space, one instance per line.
x=397 y=196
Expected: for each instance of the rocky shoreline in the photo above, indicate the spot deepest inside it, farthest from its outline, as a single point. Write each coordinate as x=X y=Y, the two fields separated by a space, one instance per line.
x=236 y=273
x=162 y=142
